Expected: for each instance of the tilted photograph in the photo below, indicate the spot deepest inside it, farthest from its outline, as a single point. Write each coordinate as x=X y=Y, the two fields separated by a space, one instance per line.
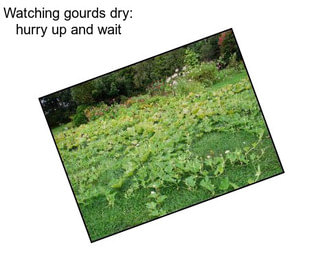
x=161 y=135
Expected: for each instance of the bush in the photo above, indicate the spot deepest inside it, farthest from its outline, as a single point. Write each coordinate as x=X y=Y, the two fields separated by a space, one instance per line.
x=191 y=58
x=94 y=112
x=123 y=99
x=234 y=63
x=80 y=117
x=185 y=86
x=220 y=63
x=206 y=74
x=156 y=88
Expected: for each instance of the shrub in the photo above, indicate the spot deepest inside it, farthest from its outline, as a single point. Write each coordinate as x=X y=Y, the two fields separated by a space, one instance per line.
x=185 y=86
x=129 y=102
x=191 y=58
x=165 y=65
x=123 y=99
x=94 y=112
x=206 y=74
x=220 y=63
x=80 y=117
x=233 y=62
x=156 y=88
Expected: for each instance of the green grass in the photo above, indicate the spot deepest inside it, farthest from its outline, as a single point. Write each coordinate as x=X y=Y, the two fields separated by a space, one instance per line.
x=232 y=78
x=103 y=220
x=217 y=143
x=102 y=151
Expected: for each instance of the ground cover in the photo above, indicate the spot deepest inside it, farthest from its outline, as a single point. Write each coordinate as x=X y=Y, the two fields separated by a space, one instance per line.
x=153 y=155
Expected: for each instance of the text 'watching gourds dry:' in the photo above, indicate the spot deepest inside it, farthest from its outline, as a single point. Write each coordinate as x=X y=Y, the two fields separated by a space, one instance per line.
x=68 y=14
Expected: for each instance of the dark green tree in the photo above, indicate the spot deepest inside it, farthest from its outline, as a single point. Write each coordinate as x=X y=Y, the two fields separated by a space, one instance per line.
x=210 y=49
x=83 y=93
x=58 y=107
x=229 y=47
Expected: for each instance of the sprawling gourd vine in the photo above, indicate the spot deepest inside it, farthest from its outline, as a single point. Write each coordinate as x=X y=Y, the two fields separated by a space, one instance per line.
x=147 y=143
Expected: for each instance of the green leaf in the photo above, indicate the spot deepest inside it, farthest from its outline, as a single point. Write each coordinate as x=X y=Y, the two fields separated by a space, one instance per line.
x=252 y=156
x=224 y=184
x=219 y=170
x=151 y=205
x=258 y=172
x=161 y=198
x=234 y=185
x=250 y=181
x=110 y=196
x=190 y=182
x=118 y=183
x=206 y=183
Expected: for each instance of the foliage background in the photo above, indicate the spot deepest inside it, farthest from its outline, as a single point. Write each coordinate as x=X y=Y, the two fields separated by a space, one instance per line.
x=137 y=79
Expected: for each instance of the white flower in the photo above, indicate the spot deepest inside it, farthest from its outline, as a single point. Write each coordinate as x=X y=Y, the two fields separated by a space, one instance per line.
x=185 y=111
x=137 y=145
x=176 y=70
x=227 y=151
x=208 y=157
x=152 y=192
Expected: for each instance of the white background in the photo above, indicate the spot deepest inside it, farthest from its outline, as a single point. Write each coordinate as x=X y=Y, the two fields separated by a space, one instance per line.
x=273 y=225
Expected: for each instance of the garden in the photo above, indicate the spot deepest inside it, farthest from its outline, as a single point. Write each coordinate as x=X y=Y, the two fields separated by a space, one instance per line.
x=161 y=135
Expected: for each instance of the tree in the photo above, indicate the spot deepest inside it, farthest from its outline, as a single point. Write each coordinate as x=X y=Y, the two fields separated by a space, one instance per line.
x=228 y=46
x=83 y=93
x=210 y=49
x=58 y=107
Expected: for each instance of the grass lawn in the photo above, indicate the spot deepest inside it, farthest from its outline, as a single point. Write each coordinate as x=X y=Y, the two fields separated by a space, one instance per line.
x=133 y=155
x=103 y=220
